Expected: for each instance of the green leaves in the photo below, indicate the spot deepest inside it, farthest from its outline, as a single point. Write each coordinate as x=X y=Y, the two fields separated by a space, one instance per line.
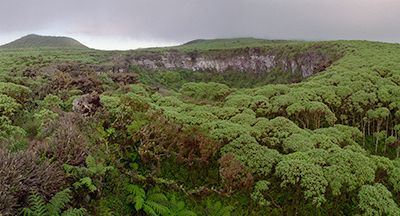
x=379 y=113
x=303 y=172
x=394 y=179
x=348 y=170
x=377 y=200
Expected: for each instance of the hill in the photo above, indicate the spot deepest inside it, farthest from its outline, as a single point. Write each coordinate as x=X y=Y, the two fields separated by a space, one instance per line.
x=39 y=41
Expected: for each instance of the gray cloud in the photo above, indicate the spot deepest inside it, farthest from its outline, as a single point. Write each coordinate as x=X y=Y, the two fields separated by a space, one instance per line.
x=182 y=20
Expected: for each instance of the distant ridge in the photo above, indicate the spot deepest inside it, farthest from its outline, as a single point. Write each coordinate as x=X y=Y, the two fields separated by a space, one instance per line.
x=229 y=43
x=39 y=41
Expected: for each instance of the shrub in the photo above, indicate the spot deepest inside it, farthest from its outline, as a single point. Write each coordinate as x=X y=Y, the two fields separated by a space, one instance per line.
x=44 y=118
x=10 y=135
x=51 y=102
x=8 y=106
x=233 y=173
x=67 y=143
x=187 y=143
x=123 y=78
x=23 y=172
x=18 y=92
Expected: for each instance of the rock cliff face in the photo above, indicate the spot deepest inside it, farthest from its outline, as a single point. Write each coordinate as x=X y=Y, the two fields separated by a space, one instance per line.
x=249 y=60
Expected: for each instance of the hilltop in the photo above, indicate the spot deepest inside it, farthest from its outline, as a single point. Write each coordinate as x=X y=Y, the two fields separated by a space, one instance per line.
x=39 y=41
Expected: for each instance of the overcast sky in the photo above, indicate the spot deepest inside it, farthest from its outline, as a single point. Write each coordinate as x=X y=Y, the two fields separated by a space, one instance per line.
x=128 y=24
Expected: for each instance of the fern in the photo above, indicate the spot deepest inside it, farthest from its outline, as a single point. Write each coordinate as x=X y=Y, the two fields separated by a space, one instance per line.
x=155 y=203
x=38 y=206
x=58 y=201
x=104 y=210
x=152 y=202
x=86 y=181
x=178 y=208
x=89 y=177
x=217 y=209
x=74 y=212
x=157 y=207
x=136 y=195
x=92 y=165
x=96 y=168
x=53 y=208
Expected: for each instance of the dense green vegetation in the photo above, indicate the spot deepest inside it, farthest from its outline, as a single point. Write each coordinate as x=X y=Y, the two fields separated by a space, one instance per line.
x=197 y=143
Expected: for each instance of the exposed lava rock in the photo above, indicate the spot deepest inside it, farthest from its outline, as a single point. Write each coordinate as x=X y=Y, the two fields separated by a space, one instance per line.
x=249 y=60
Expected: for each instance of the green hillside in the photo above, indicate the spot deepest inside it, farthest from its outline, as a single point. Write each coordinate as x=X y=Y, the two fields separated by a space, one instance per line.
x=38 y=41
x=97 y=135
